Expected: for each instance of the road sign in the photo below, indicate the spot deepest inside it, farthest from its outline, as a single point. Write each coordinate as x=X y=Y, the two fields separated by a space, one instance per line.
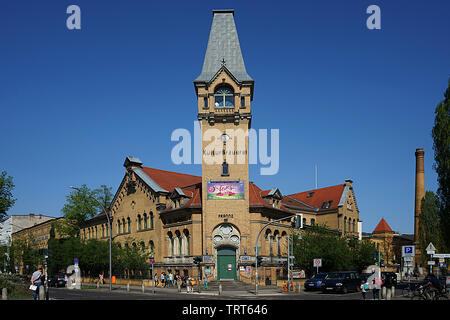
x=408 y=251
x=75 y=261
x=431 y=249
x=152 y=261
x=317 y=262
x=442 y=255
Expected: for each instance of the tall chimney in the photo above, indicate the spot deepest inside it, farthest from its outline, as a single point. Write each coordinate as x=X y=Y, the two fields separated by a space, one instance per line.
x=420 y=192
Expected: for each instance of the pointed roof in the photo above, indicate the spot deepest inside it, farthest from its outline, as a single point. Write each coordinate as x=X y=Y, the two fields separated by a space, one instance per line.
x=223 y=49
x=382 y=227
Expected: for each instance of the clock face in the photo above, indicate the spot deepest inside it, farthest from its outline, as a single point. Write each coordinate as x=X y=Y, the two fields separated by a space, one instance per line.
x=217 y=238
x=226 y=229
x=234 y=238
x=225 y=137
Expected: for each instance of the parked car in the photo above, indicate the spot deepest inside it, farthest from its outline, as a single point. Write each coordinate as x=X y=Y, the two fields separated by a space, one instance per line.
x=364 y=276
x=392 y=277
x=57 y=280
x=343 y=281
x=315 y=282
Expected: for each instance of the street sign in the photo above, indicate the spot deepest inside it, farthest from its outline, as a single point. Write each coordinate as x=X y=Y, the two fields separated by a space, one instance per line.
x=442 y=255
x=317 y=262
x=431 y=249
x=408 y=251
x=75 y=261
x=257 y=249
x=431 y=263
x=152 y=261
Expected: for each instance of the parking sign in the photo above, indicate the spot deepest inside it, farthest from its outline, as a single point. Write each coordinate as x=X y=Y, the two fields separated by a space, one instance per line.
x=408 y=251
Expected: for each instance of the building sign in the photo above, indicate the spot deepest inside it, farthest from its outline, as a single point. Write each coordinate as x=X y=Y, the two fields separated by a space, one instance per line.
x=227 y=190
x=225 y=215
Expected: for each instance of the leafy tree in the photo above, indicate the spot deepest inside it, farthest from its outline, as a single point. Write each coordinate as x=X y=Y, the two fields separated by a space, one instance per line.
x=441 y=146
x=6 y=197
x=82 y=204
x=430 y=223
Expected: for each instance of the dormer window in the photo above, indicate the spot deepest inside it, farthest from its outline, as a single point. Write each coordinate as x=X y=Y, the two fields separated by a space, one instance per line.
x=224 y=97
x=310 y=195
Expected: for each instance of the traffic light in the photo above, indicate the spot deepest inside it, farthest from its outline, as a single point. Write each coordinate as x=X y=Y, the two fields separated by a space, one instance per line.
x=259 y=258
x=197 y=259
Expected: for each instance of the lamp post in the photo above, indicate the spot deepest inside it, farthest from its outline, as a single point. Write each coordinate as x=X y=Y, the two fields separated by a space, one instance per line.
x=109 y=233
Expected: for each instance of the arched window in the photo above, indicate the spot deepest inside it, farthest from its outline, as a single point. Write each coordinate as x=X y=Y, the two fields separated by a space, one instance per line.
x=313 y=222
x=345 y=224
x=151 y=220
x=349 y=225
x=96 y=233
x=118 y=226
x=152 y=248
x=353 y=225
x=145 y=221
x=223 y=97
x=139 y=222
x=129 y=225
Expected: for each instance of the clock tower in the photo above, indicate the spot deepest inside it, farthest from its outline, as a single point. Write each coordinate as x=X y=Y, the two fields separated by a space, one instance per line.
x=224 y=91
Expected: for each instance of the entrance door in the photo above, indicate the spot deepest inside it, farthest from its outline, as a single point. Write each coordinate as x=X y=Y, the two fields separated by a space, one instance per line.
x=226 y=263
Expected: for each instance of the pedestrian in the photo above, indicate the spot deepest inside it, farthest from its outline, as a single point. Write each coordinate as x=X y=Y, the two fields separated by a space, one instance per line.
x=36 y=280
x=205 y=282
x=376 y=282
x=100 y=278
x=156 y=279
x=364 y=287
x=170 y=279
x=162 y=279
x=189 y=285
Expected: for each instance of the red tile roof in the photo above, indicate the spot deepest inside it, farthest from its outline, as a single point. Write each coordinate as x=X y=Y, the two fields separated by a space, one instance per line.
x=169 y=180
x=319 y=196
x=382 y=227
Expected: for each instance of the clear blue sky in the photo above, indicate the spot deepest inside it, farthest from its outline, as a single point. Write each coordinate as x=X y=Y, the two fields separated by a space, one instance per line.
x=354 y=101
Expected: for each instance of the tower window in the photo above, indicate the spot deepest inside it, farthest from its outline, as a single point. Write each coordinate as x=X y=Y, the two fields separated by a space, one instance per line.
x=224 y=97
x=225 y=171
x=205 y=103
x=242 y=102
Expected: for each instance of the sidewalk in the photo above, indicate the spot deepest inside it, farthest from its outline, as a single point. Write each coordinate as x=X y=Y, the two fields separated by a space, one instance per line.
x=174 y=290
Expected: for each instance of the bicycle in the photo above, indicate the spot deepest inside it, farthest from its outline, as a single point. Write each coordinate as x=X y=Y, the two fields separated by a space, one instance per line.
x=408 y=292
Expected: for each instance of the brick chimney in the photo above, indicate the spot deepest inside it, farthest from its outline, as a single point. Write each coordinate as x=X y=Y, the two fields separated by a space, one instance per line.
x=419 y=194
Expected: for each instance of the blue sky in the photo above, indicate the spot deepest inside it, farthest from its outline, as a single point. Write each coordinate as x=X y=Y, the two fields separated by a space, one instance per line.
x=356 y=102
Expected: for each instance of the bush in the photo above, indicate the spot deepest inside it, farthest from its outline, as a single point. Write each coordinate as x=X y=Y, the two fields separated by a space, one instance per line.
x=16 y=287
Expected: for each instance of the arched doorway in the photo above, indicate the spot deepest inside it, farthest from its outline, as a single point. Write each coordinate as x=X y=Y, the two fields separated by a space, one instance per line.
x=226 y=263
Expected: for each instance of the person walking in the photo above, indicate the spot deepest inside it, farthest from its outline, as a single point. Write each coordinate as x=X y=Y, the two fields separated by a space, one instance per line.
x=170 y=279
x=156 y=279
x=189 y=285
x=364 y=287
x=36 y=280
x=162 y=280
x=205 y=282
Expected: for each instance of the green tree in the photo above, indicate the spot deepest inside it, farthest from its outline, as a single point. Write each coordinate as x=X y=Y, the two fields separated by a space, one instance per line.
x=441 y=147
x=430 y=224
x=82 y=204
x=6 y=197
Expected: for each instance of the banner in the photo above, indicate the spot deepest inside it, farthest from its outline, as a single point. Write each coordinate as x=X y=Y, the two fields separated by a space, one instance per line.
x=228 y=190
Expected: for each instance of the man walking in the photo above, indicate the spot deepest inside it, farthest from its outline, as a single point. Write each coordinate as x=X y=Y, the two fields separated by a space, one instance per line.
x=36 y=280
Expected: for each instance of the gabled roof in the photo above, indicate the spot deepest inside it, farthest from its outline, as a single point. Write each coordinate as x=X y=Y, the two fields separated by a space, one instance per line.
x=168 y=180
x=223 y=45
x=317 y=197
x=382 y=227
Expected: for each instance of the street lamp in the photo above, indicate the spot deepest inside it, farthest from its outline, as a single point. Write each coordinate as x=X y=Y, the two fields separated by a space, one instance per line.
x=109 y=232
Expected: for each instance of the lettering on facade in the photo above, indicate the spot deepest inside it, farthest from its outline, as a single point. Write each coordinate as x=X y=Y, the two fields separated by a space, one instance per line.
x=225 y=215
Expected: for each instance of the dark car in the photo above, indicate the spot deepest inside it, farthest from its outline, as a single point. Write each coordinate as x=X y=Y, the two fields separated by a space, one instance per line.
x=389 y=278
x=343 y=281
x=315 y=282
x=57 y=280
x=364 y=276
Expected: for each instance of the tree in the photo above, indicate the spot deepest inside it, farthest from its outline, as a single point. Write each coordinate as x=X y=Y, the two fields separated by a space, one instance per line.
x=82 y=204
x=6 y=197
x=430 y=223
x=441 y=147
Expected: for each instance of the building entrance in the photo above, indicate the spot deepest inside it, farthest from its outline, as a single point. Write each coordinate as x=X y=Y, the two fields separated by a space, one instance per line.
x=226 y=263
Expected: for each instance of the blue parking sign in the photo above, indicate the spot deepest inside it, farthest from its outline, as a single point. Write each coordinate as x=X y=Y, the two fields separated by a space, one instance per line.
x=408 y=251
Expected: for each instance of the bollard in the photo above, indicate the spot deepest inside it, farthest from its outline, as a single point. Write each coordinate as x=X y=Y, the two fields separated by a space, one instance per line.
x=4 y=294
x=383 y=293
x=143 y=287
x=388 y=294
x=179 y=287
x=98 y=284
x=128 y=287
x=299 y=287
x=220 y=289
x=41 y=293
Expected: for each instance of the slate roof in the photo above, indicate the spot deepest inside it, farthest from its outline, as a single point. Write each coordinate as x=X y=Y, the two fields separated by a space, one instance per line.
x=224 y=44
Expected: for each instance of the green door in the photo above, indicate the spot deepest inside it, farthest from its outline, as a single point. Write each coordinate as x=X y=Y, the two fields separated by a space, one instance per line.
x=226 y=263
